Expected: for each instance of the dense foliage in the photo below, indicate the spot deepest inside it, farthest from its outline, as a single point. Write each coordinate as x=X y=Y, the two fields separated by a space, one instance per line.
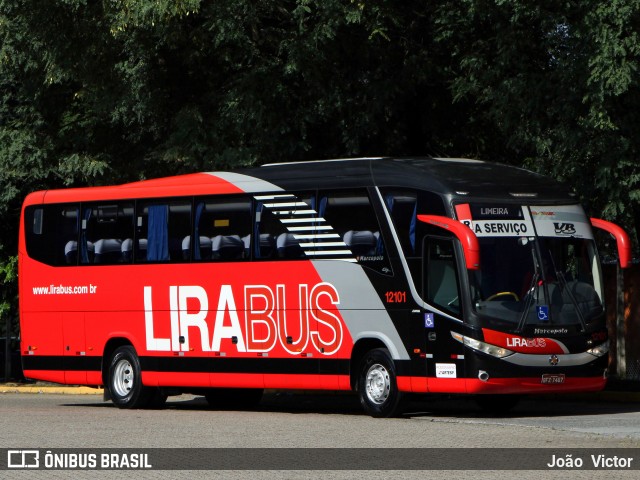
x=103 y=91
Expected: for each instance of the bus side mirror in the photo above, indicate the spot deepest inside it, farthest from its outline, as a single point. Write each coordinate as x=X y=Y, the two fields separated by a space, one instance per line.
x=622 y=240
x=468 y=239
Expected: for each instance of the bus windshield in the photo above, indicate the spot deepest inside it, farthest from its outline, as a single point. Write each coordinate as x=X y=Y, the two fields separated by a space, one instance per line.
x=538 y=267
x=528 y=281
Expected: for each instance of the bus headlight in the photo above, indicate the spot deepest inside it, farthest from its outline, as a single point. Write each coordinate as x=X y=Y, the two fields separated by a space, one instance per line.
x=600 y=350
x=493 y=350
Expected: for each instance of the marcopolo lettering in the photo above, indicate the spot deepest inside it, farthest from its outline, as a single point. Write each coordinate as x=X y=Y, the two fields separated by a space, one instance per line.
x=265 y=323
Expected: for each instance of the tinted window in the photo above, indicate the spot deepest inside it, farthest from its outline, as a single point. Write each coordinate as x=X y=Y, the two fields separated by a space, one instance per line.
x=222 y=229
x=285 y=225
x=162 y=233
x=104 y=229
x=352 y=216
x=51 y=233
x=441 y=286
x=403 y=205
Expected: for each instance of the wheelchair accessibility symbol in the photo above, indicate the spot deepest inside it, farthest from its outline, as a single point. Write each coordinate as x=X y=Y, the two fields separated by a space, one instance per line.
x=429 y=321
x=543 y=312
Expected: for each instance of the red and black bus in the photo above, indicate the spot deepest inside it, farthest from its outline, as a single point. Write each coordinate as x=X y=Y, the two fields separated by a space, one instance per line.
x=379 y=275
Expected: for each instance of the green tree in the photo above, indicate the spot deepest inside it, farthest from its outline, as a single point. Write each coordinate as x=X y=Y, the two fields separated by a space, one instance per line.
x=558 y=82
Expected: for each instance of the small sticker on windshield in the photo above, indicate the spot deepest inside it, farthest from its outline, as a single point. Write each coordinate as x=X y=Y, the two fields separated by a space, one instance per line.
x=543 y=312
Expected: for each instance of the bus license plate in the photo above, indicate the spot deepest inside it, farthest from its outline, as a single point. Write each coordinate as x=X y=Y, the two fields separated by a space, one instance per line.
x=553 y=378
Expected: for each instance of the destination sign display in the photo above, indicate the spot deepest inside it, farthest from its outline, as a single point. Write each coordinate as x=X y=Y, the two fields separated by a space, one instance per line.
x=492 y=220
x=501 y=228
x=504 y=212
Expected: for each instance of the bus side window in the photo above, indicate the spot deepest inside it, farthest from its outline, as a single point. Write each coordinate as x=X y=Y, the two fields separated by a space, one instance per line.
x=222 y=229
x=161 y=227
x=272 y=239
x=51 y=233
x=402 y=207
x=104 y=228
x=441 y=284
x=351 y=215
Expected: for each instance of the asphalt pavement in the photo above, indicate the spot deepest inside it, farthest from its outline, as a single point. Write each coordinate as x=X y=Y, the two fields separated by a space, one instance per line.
x=616 y=391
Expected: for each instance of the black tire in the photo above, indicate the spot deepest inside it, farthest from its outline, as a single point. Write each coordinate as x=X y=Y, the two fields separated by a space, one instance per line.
x=125 y=381
x=236 y=398
x=377 y=385
x=497 y=404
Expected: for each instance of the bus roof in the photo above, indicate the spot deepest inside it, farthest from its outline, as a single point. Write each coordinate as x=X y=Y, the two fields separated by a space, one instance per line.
x=448 y=176
x=453 y=177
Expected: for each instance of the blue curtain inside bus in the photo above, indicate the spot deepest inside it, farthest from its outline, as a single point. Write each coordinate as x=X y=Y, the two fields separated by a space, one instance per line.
x=158 y=235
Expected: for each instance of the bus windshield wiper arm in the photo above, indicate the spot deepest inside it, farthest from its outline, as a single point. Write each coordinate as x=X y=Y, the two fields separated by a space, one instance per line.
x=574 y=301
x=529 y=301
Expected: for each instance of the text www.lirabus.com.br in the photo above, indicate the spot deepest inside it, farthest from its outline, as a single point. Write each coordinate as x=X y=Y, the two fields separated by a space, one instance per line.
x=65 y=290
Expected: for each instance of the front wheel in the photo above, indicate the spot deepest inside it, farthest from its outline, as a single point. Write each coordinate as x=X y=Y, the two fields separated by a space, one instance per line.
x=125 y=380
x=377 y=385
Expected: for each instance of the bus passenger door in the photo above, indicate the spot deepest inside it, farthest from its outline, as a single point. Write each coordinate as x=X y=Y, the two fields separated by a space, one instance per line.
x=74 y=348
x=441 y=289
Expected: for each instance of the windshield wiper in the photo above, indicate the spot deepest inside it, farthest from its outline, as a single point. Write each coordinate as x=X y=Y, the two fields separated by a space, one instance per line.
x=529 y=301
x=565 y=287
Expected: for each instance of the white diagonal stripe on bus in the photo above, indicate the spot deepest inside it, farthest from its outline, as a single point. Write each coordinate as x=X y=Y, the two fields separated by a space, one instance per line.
x=285 y=204
x=302 y=220
x=323 y=244
x=273 y=197
x=295 y=212
x=314 y=236
x=328 y=252
x=310 y=228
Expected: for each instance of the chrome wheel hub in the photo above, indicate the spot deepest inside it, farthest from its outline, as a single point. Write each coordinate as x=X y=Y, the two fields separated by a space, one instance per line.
x=378 y=384
x=123 y=378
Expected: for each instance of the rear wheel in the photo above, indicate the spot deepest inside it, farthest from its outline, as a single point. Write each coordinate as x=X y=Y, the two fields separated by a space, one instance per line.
x=227 y=398
x=125 y=380
x=377 y=385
